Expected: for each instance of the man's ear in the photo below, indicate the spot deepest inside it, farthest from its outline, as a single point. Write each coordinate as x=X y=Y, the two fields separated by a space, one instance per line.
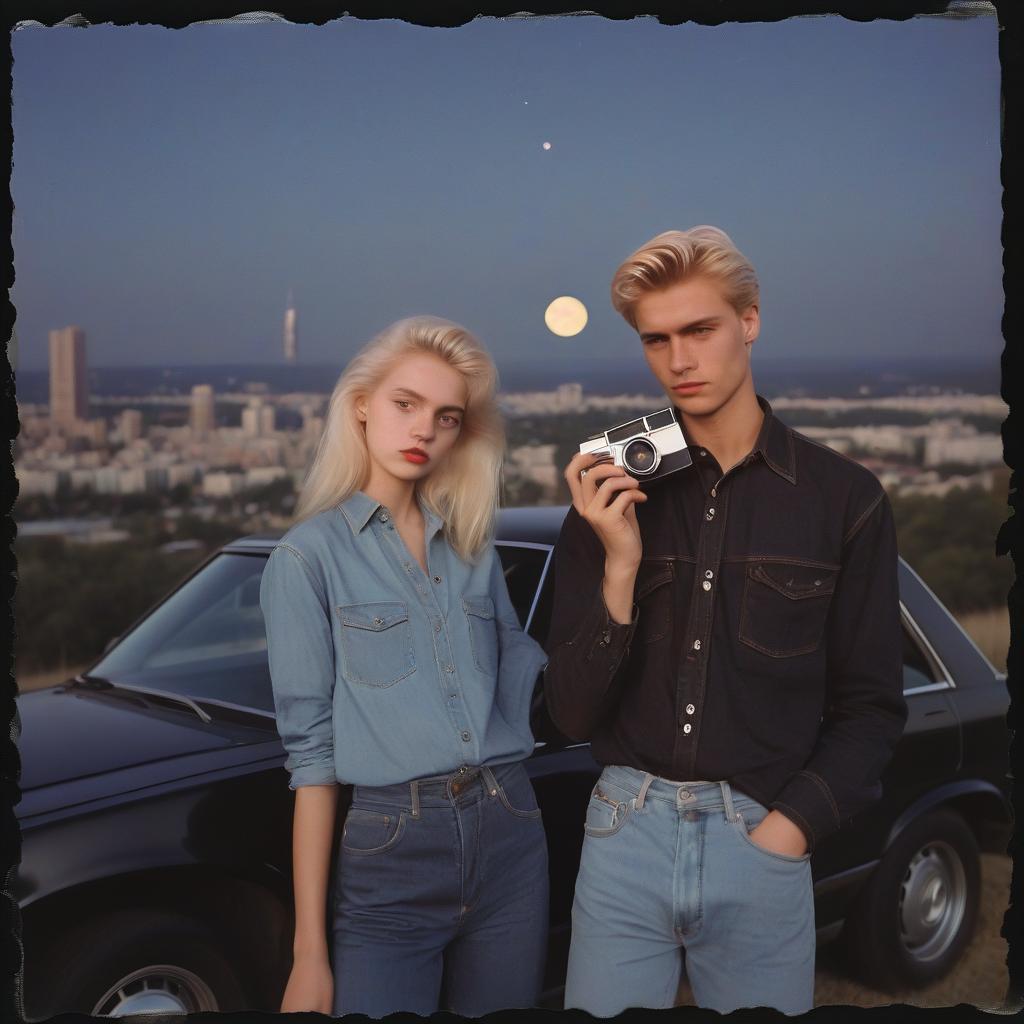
x=751 y=320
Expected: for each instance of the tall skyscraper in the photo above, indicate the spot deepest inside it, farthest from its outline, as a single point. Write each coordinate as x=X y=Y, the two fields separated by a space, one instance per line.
x=69 y=387
x=291 y=339
x=201 y=412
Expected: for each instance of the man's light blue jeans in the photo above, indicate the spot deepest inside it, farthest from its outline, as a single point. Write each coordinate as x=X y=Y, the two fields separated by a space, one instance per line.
x=669 y=870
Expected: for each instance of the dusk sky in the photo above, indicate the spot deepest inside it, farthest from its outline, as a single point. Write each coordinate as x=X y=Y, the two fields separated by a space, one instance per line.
x=171 y=185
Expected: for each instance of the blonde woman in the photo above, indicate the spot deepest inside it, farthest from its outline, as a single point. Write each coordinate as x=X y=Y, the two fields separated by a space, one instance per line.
x=399 y=666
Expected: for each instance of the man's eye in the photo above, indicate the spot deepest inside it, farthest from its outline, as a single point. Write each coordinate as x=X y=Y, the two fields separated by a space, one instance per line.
x=654 y=341
x=402 y=403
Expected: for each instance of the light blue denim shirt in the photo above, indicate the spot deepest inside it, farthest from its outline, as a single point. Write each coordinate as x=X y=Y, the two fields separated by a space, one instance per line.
x=382 y=673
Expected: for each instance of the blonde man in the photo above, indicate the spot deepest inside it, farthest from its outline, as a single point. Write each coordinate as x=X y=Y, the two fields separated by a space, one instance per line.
x=728 y=639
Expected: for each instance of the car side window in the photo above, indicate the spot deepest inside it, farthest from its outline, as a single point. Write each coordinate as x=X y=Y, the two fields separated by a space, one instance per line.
x=523 y=568
x=917 y=667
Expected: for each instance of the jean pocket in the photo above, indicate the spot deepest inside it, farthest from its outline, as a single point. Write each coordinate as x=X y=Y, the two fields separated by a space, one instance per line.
x=747 y=820
x=605 y=814
x=785 y=607
x=376 y=642
x=483 y=633
x=654 y=600
x=517 y=795
x=368 y=832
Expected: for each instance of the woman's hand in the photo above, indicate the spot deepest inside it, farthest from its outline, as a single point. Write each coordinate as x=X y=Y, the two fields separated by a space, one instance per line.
x=310 y=985
x=605 y=495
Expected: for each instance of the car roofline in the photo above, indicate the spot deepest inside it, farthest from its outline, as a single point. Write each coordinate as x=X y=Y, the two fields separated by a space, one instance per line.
x=538 y=521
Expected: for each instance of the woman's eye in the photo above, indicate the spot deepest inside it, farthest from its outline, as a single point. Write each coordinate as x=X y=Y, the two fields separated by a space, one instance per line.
x=449 y=421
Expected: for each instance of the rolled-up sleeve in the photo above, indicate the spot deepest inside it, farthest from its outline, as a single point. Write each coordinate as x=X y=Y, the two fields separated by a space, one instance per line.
x=865 y=710
x=300 y=651
x=521 y=659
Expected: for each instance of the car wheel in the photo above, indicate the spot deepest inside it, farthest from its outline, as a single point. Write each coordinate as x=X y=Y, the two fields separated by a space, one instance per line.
x=136 y=961
x=918 y=909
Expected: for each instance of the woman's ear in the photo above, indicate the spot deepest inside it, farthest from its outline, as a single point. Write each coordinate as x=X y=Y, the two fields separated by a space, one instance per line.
x=361 y=409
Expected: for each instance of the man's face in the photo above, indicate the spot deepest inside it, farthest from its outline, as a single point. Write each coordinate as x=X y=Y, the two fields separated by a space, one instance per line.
x=692 y=336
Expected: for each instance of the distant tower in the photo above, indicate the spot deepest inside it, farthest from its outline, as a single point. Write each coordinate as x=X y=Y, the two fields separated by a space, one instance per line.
x=69 y=394
x=201 y=415
x=130 y=422
x=291 y=340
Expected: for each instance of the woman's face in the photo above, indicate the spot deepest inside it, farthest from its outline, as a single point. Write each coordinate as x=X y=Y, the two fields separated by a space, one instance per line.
x=414 y=417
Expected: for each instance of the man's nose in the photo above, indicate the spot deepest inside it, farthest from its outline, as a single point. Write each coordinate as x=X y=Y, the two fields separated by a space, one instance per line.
x=681 y=356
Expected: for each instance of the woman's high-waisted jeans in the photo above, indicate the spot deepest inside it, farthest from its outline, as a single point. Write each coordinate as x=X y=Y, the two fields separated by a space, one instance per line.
x=441 y=896
x=669 y=867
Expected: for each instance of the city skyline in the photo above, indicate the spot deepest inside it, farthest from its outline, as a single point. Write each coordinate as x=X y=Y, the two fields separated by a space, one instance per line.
x=225 y=164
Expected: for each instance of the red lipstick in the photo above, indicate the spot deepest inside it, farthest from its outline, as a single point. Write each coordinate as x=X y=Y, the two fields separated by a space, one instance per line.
x=416 y=455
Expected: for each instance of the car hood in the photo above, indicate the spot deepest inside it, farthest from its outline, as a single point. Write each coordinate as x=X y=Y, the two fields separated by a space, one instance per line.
x=71 y=733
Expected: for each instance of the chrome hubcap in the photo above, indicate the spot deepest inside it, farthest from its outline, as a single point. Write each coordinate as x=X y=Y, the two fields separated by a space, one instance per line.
x=156 y=989
x=933 y=898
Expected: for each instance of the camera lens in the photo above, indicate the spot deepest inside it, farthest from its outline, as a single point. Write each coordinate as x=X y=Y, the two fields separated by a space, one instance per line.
x=640 y=456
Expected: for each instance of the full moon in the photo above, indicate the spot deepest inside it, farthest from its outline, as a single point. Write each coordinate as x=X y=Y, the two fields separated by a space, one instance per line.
x=565 y=316
x=546 y=145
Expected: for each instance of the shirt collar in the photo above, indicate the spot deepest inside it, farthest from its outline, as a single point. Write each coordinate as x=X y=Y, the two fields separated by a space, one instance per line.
x=775 y=443
x=359 y=508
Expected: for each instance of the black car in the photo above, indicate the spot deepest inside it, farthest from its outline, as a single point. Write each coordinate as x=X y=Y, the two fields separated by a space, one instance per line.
x=156 y=816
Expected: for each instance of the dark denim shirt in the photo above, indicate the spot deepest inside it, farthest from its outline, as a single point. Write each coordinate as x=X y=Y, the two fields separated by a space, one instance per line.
x=765 y=646
x=382 y=673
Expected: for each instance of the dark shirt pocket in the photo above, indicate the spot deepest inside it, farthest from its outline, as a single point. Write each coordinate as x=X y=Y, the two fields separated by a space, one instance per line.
x=483 y=633
x=654 y=601
x=376 y=642
x=785 y=606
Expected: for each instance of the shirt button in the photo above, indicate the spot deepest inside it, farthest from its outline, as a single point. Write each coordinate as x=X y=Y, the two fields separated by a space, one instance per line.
x=465 y=736
x=690 y=709
x=449 y=668
x=383 y=515
x=696 y=645
x=706 y=585
x=437 y=628
x=709 y=574
x=709 y=515
x=714 y=493
x=451 y=696
x=437 y=579
x=687 y=727
x=703 y=452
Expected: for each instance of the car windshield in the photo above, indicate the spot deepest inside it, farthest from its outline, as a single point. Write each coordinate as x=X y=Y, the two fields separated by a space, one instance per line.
x=207 y=640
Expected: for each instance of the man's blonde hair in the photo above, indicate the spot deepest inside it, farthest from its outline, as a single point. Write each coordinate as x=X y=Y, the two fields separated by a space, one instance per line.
x=463 y=490
x=674 y=256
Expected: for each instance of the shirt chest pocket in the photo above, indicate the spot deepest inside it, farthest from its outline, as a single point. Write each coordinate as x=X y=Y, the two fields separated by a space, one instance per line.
x=785 y=606
x=654 y=601
x=376 y=642
x=483 y=633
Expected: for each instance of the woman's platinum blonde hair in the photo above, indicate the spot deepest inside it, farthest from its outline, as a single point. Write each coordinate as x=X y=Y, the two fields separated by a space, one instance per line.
x=463 y=489
x=673 y=256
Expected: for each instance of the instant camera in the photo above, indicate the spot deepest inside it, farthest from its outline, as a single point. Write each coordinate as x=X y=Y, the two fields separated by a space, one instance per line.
x=648 y=447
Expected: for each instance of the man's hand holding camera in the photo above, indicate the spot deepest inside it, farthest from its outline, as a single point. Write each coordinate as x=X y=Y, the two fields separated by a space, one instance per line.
x=605 y=495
